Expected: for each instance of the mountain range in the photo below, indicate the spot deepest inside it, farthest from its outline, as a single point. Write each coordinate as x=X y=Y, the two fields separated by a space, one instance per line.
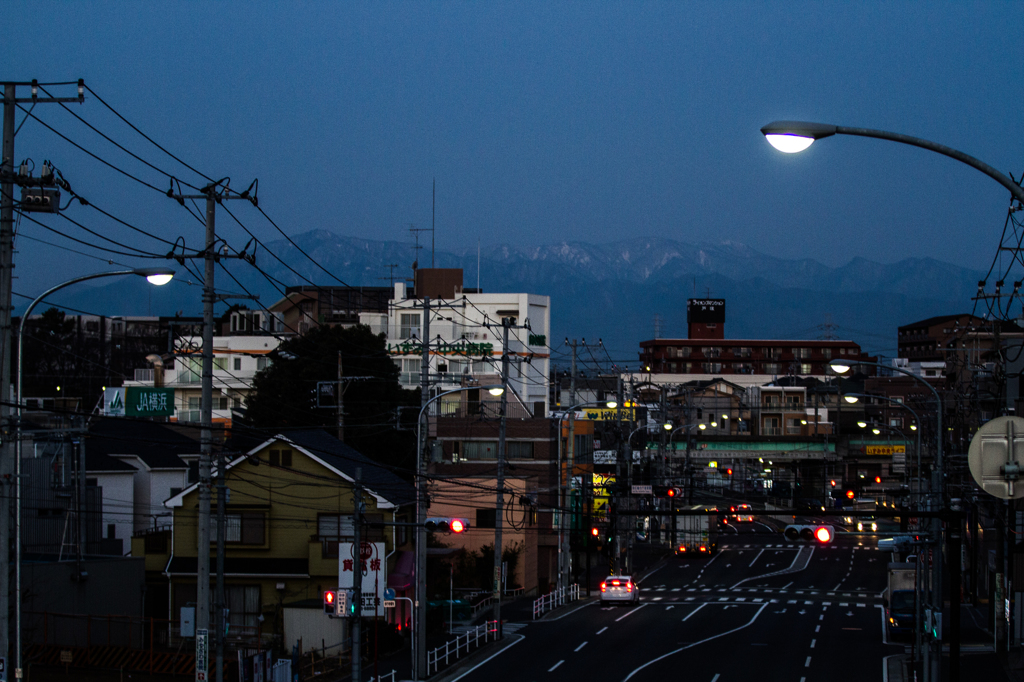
x=621 y=292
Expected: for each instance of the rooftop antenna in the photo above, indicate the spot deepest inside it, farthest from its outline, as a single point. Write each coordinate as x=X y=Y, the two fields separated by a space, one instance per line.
x=391 y=276
x=416 y=232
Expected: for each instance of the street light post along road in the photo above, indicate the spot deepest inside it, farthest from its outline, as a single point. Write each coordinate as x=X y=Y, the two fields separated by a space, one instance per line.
x=934 y=502
x=419 y=635
x=157 y=276
x=795 y=136
x=856 y=396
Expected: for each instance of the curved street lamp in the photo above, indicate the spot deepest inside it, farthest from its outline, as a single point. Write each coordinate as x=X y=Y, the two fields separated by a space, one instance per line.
x=855 y=397
x=419 y=616
x=795 y=136
x=157 y=276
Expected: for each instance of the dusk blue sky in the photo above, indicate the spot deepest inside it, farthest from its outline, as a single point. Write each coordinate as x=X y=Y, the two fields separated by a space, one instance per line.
x=539 y=121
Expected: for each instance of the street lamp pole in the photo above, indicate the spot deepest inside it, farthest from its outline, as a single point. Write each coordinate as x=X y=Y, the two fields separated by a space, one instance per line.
x=857 y=396
x=157 y=276
x=935 y=499
x=419 y=634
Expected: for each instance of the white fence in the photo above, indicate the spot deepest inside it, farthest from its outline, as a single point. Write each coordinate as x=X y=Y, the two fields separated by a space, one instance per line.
x=551 y=600
x=386 y=676
x=461 y=645
x=282 y=671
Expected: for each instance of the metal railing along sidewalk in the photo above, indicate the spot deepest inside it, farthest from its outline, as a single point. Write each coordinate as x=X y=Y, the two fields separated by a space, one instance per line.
x=554 y=599
x=461 y=645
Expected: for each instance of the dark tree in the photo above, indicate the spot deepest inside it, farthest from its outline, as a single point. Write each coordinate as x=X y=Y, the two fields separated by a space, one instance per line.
x=284 y=394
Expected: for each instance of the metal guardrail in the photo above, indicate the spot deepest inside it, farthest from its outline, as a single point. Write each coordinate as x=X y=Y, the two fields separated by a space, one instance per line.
x=461 y=644
x=386 y=676
x=554 y=599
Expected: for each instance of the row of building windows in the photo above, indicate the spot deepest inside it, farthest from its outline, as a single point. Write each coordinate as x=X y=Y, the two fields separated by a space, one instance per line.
x=768 y=353
x=737 y=367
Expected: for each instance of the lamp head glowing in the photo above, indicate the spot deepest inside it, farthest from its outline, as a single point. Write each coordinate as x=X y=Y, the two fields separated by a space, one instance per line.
x=795 y=136
x=913 y=427
x=876 y=431
x=155 y=276
x=496 y=390
x=702 y=426
x=862 y=424
x=850 y=398
x=714 y=425
x=667 y=427
x=839 y=366
x=612 y=404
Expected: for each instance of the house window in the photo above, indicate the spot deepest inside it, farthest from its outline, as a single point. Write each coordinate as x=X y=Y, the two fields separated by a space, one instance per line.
x=280 y=458
x=220 y=363
x=333 y=529
x=518 y=450
x=474 y=449
x=793 y=427
x=244 y=528
x=237 y=364
x=771 y=368
x=896 y=422
x=193 y=404
x=261 y=363
x=712 y=367
x=243 y=604
x=805 y=368
x=801 y=353
x=742 y=352
x=771 y=426
x=712 y=351
x=409 y=325
x=826 y=353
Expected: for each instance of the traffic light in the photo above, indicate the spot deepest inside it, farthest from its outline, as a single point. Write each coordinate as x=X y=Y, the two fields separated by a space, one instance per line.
x=823 y=534
x=850 y=494
x=346 y=604
x=666 y=491
x=446 y=524
x=331 y=602
x=728 y=472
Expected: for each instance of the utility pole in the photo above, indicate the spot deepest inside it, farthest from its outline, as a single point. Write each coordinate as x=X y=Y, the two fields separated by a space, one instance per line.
x=340 y=401
x=9 y=465
x=506 y=322
x=213 y=193
x=621 y=473
x=357 y=576
x=569 y=465
x=420 y=604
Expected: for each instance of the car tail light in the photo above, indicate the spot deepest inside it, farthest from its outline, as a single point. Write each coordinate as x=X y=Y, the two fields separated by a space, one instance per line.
x=682 y=548
x=629 y=587
x=604 y=586
x=616 y=583
x=703 y=548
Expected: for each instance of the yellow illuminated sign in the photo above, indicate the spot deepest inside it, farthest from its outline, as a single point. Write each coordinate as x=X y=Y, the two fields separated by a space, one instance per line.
x=885 y=449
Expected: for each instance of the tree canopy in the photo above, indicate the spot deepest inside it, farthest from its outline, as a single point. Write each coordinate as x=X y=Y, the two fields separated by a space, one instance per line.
x=284 y=394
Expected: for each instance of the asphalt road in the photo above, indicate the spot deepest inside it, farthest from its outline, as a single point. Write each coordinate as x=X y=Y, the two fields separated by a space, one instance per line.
x=760 y=609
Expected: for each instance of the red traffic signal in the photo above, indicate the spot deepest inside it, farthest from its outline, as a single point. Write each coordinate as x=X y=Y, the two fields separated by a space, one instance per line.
x=728 y=472
x=850 y=494
x=457 y=526
x=832 y=483
x=823 y=534
x=594 y=531
x=329 y=597
x=878 y=479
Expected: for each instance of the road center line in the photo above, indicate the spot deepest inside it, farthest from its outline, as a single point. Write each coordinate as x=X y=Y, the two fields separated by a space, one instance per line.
x=688 y=646
x=584 y=644
x=602 y=630
x=552 y=668
x=631 y=612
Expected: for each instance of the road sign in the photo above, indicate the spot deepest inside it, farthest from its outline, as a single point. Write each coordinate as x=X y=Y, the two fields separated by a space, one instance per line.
x=389 y=593
x=389 y=603
x=642 y=490
x=996 y=457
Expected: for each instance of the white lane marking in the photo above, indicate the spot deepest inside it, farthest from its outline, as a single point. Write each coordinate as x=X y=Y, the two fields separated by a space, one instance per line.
x=812 y=644
x=807 y=663
x=498 y=653
x=688 y=646
x=694 y=611
x=602 y=630
x=584 y=644
x=756 y=558
x=631 y=612
x=817 y=628
x=715 y=678
x=552 y=668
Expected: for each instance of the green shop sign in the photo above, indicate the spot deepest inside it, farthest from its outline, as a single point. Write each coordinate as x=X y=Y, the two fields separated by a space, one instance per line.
x=138 y=401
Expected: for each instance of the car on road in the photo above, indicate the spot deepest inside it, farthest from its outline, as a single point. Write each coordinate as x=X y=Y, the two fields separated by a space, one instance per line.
x=742 y=513
x=619 y=589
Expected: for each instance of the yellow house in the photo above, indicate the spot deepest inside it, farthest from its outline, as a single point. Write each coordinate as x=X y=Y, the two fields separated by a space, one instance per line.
x=289 y=516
